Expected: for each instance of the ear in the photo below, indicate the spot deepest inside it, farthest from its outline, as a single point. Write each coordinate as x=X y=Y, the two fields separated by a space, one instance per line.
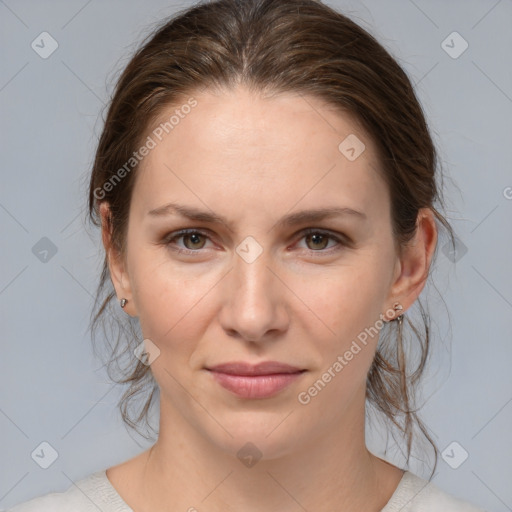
x=414 y=261
x=116 y=264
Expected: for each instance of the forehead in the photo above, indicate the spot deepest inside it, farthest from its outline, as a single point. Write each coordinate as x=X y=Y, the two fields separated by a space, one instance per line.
x=241 y=148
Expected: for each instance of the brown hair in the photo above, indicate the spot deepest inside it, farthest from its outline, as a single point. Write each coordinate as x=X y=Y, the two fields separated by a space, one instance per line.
x=300 y=46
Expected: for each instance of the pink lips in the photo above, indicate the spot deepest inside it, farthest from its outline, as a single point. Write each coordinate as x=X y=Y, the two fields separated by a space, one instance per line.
x=255 y=381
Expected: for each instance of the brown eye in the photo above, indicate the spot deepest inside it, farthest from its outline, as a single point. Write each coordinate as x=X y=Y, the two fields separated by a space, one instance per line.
x=192 y=241
x=318 y=241
x=195 y=240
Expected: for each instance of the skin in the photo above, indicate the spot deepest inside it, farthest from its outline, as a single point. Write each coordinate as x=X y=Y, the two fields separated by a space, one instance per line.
x=254 y=160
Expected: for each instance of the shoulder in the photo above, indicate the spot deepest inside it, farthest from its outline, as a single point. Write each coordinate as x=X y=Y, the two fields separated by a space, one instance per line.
x=415 y=494
x=89 y=494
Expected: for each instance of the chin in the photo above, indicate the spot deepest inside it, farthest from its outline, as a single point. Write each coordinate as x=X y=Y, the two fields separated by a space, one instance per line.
x=261 y=435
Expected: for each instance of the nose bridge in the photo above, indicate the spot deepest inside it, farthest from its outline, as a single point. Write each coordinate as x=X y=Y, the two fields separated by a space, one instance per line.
x=253 y=299
x=252 y=277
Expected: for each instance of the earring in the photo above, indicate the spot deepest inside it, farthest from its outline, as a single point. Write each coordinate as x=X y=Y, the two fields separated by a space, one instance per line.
x=123 y=302
x=398 y=307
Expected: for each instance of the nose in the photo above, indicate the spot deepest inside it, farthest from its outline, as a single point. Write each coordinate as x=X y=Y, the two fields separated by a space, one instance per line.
x=253 y=306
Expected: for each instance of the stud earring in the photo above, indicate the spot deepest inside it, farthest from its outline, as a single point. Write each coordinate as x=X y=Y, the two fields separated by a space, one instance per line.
x=123 y=302
x=398 y=307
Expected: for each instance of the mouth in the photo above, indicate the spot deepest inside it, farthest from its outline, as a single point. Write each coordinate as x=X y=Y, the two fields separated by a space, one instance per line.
x=263 y=380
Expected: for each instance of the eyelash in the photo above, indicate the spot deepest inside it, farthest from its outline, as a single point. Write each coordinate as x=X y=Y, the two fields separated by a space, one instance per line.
x=168 y=240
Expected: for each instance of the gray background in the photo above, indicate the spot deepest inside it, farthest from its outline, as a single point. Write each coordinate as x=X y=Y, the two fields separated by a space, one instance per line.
x=51 y=387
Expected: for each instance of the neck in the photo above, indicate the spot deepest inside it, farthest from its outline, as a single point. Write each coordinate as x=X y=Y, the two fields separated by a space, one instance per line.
x=332 y=471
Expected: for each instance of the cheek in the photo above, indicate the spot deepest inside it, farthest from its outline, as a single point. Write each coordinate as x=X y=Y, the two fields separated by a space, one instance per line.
x=345 y=340
x=346 y=325
x=346 y=300
x=170 y=299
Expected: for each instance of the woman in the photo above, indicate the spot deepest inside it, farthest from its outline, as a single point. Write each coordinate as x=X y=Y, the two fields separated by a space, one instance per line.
x=265 y=185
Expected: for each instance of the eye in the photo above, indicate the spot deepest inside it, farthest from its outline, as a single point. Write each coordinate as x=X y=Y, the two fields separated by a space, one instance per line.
x=318 y=240
x=192 y=239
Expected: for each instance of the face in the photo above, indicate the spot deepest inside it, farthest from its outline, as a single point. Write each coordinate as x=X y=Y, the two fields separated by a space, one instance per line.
x=252 y=280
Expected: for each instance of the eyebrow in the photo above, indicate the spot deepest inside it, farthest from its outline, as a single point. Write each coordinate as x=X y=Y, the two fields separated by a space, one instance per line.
x=314 y=215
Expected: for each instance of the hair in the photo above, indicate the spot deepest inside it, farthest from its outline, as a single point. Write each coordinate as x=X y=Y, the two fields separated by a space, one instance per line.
x=297 y=46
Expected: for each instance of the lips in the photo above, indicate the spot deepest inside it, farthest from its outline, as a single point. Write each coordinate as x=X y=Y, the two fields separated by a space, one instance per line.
x=265 y=368
x=262 y=380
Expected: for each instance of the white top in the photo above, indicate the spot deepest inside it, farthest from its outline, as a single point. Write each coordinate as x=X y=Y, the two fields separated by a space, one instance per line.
x=95 y=492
